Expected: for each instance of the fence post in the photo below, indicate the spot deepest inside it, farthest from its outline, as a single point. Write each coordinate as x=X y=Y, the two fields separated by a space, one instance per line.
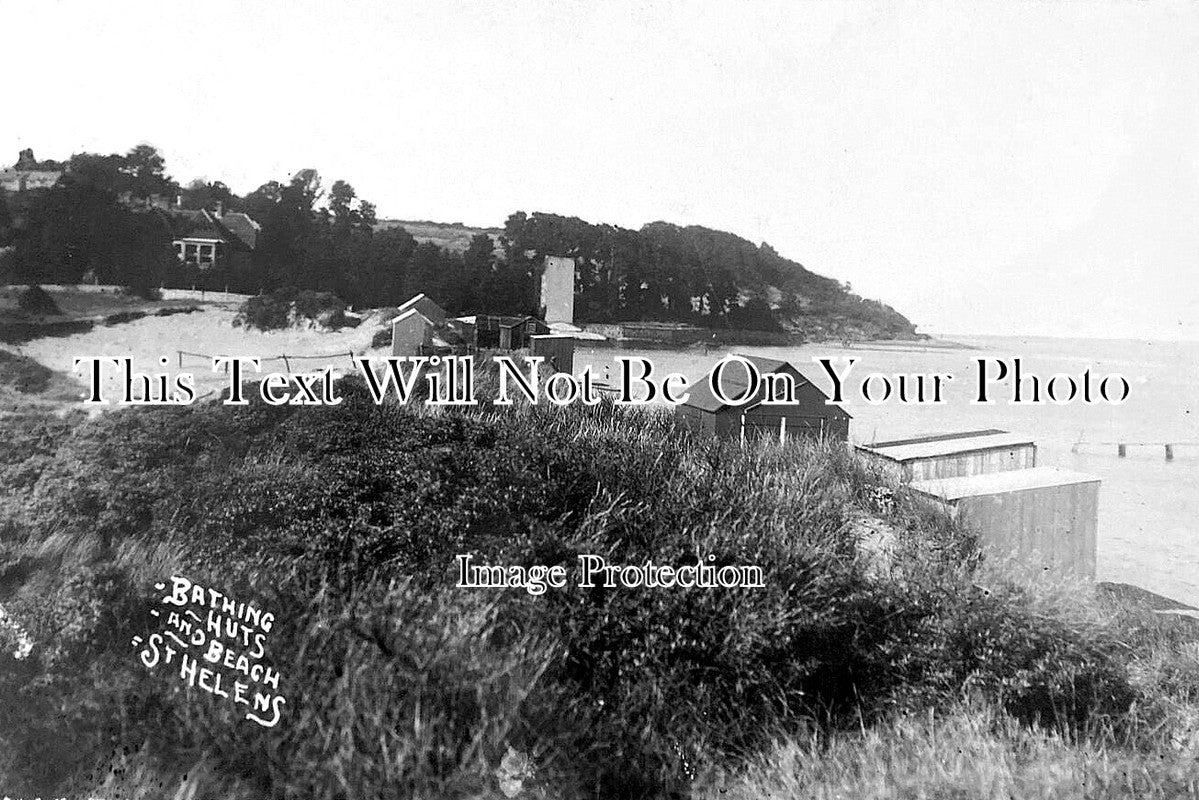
x=286 y=364
x=180 y=354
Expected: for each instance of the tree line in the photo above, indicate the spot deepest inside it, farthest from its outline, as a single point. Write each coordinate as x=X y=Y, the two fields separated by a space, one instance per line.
x=104 y=221
x=101 y=223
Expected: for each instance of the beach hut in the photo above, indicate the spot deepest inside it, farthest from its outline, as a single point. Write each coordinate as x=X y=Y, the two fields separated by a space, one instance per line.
x=558 y=351
x=411 y=333
x=952 y=455
x=495 y=332
x=516 y=333
x=421 y=302
x=806 y=412
x=1044 y=518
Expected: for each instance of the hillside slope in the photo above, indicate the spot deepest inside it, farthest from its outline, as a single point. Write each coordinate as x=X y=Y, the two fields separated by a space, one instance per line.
x=452 y=236
x=345 y=523
x=665 y=272
x=712 y=278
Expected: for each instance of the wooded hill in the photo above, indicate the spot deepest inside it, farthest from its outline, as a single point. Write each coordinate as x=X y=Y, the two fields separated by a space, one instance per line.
x=699 y=275
x=112 y=219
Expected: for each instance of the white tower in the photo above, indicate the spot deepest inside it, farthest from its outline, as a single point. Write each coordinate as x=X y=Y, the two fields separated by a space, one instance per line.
x=558 y=289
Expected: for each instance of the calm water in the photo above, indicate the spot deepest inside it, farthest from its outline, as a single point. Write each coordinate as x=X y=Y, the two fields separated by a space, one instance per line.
x=1148 y=533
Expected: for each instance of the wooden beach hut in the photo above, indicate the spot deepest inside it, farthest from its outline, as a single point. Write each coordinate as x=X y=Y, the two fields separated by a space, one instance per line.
x=557 y=350
x=496 y=332
x=422 y=303
x=952 y=455
x=1043 y=517
x=411 y=333
x=807 y=413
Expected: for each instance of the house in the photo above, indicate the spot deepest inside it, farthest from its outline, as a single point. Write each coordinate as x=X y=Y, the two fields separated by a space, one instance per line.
x=1043 y=518
x=952 y=455
x=496 y=332
x=804 y=410
x=207 y=239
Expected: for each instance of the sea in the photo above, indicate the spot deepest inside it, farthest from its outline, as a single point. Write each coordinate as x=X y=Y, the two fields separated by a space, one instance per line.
x=1148 y=505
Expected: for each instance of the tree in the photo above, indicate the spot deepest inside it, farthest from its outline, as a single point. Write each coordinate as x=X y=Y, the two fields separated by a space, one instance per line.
x=6 y=221
x=478 y=263
x=200 y=194
x=145 y=170
x=341 y=200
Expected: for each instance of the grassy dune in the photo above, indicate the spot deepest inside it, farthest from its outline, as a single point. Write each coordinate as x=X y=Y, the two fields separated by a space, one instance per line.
x=925 y=676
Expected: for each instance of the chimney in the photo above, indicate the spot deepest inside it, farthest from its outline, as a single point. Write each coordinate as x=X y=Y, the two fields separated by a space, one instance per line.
x=219 y=211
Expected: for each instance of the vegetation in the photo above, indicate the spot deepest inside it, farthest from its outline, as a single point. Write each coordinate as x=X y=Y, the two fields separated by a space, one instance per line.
x=970 y=752
x=106 y=220
x=23 y=373
x=695 y=274
x=285 y=307
x=345 y=522
x=35 y=300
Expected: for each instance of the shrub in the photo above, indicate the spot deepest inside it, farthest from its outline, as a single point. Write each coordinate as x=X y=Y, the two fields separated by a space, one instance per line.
x=284 y=307
x=121 y=317
x=36 y=300
x=318 y=305
x=267 y=312
x=143 y=291
x=346 y=521
x=23 y=373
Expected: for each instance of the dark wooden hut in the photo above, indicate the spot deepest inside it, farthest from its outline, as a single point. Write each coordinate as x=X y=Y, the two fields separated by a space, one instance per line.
x=802 y=412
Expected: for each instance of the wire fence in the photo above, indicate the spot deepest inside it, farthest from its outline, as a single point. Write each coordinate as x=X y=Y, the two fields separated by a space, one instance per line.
x=285 y=358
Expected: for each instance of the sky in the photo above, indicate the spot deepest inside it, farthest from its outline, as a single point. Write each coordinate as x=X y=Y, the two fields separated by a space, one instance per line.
x=1015 y=168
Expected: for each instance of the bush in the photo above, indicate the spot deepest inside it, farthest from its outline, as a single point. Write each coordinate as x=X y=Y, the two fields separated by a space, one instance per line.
x=143 y=292
x=23 y=373
x=346 y=521
x=318 y=305
x=36 y=300
x=285 y=307
x=121 y=317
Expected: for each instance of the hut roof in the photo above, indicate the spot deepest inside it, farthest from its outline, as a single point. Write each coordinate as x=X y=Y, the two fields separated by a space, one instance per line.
x=970 y=443
x=407 y=314
x=1001 y=482
x=733 y=382
x=513 y=322
x=427 y=307
x=936 y=437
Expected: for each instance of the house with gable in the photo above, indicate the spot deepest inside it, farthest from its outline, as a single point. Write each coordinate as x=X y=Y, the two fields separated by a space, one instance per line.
x=206 y=239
